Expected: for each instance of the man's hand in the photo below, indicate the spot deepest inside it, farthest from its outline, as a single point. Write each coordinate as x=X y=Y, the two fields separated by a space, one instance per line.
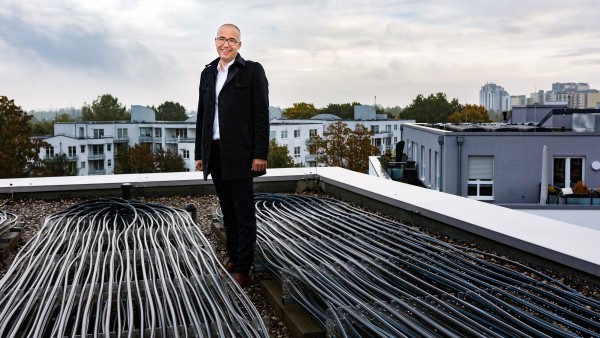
x=199 y=165
x=257 y=164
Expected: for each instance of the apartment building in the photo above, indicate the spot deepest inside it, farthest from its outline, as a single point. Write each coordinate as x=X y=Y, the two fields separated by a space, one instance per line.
x=508 y=163
x=95 y=145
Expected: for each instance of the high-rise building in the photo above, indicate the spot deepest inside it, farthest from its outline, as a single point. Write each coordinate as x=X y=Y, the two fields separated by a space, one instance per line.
x=494 y=98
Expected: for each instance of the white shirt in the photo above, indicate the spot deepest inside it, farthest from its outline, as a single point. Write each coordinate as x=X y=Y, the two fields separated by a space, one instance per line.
x=221 y=77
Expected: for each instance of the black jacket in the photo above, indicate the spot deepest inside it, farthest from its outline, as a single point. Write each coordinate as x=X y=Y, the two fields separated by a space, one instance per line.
x=243 y=118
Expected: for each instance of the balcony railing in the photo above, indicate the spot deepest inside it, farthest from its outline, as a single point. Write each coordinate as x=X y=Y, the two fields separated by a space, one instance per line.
x=96 y=157
x=97 y=172
x=146 y=139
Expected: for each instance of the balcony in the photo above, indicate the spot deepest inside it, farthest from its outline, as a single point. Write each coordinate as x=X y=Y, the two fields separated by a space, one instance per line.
x=97 y=172
x=146 y=139
x=122 y=139
x=95 y=157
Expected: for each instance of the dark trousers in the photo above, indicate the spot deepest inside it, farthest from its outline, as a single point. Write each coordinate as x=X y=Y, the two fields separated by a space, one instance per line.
x=237 y=204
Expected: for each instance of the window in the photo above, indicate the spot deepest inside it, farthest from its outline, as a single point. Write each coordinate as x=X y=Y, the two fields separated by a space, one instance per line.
x=395 y=127
x=375 y=129
x=108 y=147
x=49 y=151
x=186 y=153
x=82 y=150
x=388 y=128
x=145 y=131
x=567 y=171
x=272 y=135
x=108 y=163
x=72 y=151
x=312 y=132
x=296 y=151
x=284 y=134
x=121 y=133
x=395 y=139
x=97 y=149
x=82 y=165
x=98 y=133
x=481 y=177
x=297 y=133
x=181 y=133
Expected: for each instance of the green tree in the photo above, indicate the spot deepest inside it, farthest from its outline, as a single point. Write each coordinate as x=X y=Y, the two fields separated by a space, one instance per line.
x=300 y=110
x=393 y=112
x=340 y=146
x=431 y=109
x=170 y=111
x=18 y=151
x=168 y=162
x=105 y=108
x=58 y=165
x=41 y=128
x=470 y=113
x=136 y=159
x=140 y=159
x=279 y=156
x=343 y=110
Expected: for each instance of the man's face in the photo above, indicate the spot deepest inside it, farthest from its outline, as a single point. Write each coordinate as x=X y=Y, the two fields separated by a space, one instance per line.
x=226 y=48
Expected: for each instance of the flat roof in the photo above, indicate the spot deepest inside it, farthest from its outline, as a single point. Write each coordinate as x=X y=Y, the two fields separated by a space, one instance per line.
x=555 y=240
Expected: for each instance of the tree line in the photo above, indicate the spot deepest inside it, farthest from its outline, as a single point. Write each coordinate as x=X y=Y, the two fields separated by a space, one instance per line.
x=435 y=108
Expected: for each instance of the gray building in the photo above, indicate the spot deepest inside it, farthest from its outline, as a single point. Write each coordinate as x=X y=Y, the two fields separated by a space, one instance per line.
x=506 y=163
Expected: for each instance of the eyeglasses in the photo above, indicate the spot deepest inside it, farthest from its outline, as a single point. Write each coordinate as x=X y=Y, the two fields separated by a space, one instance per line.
x=221 y=40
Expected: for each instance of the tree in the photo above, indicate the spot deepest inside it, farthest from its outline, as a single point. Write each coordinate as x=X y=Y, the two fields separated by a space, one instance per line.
x=170 y=111
x=344 y=110
x=343 y=147
x=105 y=108
x=58 y=165
x=168 y=162
x=136 y=159
x=393 y=112
x=18 y=151
x=41 y=128
x=434 y=108
x=140 y=159
x=470 y=113
x=279 y=156
x=300 y=110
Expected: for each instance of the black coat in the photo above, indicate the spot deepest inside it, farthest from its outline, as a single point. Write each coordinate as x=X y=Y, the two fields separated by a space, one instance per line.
x=243 y=118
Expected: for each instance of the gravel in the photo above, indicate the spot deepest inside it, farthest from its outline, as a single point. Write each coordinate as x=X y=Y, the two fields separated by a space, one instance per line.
x=32 y=214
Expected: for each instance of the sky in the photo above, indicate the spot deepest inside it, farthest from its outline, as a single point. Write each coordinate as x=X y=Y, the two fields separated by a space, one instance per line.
x=66 y=53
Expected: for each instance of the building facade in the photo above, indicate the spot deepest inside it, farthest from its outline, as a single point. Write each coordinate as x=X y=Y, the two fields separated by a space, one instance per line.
x=494 y=98
x=504 y=163
x=95 y=145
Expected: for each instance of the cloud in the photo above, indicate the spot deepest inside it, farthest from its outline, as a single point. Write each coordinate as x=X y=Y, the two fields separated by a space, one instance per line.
x=64 y=41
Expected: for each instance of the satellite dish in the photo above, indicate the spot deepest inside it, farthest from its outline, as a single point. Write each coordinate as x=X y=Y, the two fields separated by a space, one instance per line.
x=596 y=165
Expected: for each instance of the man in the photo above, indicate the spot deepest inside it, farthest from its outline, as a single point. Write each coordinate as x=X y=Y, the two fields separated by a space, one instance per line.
x=232 y=142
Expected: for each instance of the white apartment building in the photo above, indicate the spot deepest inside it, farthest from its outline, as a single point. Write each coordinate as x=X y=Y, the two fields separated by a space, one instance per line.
x=94 y=145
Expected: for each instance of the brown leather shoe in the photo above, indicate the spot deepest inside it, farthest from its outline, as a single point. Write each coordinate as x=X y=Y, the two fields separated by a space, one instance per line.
x=243 y=280
x=229 y=266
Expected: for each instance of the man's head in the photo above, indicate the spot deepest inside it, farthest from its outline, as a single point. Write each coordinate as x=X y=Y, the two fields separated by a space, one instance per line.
x=228 y=42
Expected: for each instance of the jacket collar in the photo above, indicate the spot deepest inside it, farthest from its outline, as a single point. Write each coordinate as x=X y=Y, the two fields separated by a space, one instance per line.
x=238 y=60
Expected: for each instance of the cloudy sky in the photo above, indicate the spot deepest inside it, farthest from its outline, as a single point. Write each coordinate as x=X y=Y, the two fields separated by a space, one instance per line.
x=63 y=53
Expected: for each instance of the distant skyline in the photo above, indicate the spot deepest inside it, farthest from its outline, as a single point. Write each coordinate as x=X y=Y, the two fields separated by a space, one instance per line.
x=64 y=53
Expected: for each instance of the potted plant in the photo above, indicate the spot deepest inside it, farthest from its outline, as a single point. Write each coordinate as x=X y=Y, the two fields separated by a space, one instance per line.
x=596 y=196
x=553 y=194
x=581 y=194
